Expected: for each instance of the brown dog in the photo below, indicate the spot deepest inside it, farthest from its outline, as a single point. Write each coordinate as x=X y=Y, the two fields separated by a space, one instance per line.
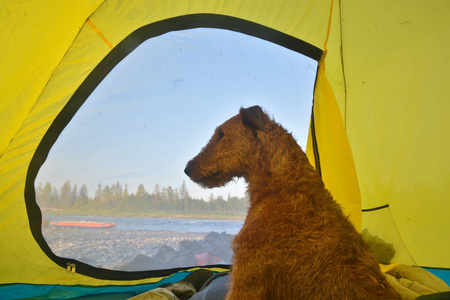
x=296 y=242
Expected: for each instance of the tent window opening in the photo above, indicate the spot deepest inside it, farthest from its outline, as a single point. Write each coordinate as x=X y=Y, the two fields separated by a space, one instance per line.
x=112 y=190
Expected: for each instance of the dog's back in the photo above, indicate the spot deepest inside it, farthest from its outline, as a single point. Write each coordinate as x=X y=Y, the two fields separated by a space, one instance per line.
x=294 y=251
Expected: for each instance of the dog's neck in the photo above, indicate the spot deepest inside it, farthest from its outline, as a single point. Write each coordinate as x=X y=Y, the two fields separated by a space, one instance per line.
x=289 y=169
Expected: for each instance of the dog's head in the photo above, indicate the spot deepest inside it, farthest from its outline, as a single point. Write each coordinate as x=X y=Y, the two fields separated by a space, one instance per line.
x=231 y=151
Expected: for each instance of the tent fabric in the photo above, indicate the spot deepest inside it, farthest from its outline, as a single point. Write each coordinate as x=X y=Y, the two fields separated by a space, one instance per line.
x=336 y=163
x=388 y=65
x=381 y=90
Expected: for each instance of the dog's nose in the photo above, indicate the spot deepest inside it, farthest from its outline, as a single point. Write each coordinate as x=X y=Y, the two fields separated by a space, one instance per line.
x=187 y=170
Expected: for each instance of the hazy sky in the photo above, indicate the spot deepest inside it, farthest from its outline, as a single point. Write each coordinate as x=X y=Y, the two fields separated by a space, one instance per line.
x=161 y=104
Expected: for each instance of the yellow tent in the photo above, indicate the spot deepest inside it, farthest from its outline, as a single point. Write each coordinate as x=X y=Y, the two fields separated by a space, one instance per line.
x=378 y=136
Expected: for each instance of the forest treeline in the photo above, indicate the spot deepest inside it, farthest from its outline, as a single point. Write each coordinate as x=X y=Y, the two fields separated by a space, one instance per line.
x=116 y=197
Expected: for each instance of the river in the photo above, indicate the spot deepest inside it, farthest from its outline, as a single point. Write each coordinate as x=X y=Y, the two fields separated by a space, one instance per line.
x=158 y=224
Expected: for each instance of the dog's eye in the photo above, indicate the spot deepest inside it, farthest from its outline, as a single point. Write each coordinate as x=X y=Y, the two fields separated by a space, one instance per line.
x=220 y=135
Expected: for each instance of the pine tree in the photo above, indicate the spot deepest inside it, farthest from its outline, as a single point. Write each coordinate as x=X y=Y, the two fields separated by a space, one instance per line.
x=126 y=198
x=107 y=194
x=98 y=198
x=170 y=198
x=55 y=197
x=99 y=192
x=141 y=193
x=73 y=195
x=83 y=196
x=38 y=193
x=125 y=193
x=65 y=194
x=116 y=190
x=44 y=197
x=184 y=196
x=156 y=192
x=142 y=198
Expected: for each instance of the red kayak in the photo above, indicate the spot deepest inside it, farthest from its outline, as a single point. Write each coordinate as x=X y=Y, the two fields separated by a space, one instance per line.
x=83 y=224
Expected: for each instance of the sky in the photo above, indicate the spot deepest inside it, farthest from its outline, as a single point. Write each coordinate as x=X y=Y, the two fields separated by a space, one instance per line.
x=160 y=105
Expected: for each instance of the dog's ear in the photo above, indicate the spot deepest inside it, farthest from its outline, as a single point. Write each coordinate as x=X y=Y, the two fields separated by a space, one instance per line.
x=253 y=117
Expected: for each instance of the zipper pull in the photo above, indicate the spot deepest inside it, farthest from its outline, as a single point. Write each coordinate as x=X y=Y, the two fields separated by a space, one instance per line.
x=71 y=267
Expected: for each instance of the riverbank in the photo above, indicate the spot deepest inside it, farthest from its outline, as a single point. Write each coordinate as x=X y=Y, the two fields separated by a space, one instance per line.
x=154 y=214
x=136 y=244
x=112 y=249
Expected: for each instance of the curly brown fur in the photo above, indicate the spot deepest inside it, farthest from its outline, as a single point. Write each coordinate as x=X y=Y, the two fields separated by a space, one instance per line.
x=296 y=242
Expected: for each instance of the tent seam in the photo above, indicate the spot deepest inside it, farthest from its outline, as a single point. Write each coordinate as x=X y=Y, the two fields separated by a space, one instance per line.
x=99 y=33
x=328 y=28
x=341 y=50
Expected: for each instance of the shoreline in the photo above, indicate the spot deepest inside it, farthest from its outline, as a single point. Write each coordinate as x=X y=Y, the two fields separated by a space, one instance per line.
x=155 y=215
x=136 y=250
